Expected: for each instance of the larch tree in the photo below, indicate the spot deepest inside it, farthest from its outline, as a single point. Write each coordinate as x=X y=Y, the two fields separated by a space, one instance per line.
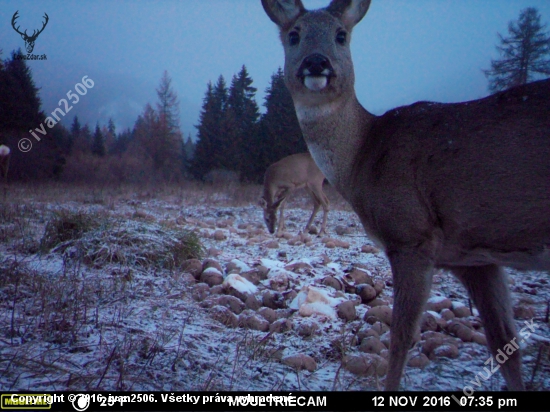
x=525 y=53
x=167 y=155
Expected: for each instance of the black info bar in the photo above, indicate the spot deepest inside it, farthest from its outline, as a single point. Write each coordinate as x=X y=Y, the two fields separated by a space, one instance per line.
x=275 y=401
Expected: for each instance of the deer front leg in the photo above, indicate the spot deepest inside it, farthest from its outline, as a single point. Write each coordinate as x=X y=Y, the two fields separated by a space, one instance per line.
x=281 y=226
x=488 y=288
x=412 y=278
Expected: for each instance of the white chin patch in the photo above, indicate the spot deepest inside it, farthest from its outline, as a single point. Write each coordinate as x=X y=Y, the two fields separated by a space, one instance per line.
x=315 y=83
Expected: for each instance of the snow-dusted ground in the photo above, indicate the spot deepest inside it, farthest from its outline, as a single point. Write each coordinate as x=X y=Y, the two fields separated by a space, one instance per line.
x=108 y=313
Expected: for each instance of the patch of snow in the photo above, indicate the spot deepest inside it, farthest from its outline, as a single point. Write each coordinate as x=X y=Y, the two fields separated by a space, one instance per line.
x=434 y=313
x=436 y=299
x=243 y=267
x=271 y=264
x=240 y=284
x=212 y=270
x=334 y=266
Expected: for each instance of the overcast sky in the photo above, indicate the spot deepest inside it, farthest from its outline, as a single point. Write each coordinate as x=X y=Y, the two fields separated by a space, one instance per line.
x=404 y=50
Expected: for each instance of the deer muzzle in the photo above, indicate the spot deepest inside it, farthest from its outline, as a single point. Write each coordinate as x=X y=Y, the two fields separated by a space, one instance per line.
x=315 y=72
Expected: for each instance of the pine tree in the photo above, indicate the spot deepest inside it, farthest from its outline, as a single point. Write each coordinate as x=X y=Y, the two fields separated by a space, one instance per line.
x=525 y=53
x=98 y=143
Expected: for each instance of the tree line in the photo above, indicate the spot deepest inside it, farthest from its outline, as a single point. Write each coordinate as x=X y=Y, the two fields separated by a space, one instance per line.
x=234 y=137
x=234 y=140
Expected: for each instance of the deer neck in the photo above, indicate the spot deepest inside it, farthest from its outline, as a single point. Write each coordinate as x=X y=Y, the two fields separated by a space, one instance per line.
x=334 y=133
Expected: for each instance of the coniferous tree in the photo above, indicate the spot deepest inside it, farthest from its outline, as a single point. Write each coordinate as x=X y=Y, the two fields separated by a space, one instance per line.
x=74 y=133
x=75 y=128
x=20 y=115
x=20 y=102
x=168 y=105
x=109 y=134
x=219 y=125
x=98 y=143
x=62 y=139
x=188 y=153
x=242 y=116
x=168 y=148
x=525 y=54
x=111 y=126
x=279 y=133
x=122 y=141
x=84 y=142
x=209 y=153
x=143 y=142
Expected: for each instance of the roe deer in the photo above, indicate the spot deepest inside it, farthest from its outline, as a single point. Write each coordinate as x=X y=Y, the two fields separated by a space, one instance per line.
x=464 y=187
x=282 y=178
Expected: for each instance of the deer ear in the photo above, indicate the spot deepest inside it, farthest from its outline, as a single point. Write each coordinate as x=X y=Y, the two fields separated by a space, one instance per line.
x=262 y=203
x=283 y=12
x=349 y=11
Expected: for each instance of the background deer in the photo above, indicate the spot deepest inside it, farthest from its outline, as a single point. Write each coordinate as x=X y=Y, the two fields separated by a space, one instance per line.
x=464 y=187
x=282 y=178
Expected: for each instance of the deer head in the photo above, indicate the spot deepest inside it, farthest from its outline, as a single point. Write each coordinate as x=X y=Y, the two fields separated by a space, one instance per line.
x=270 y=212
x=29 y=40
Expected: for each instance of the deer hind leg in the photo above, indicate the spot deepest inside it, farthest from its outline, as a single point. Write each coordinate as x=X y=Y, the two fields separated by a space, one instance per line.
x=319 y=200
x=488 y=288
x=412 y=279
x=325 y=204
x=316 y=206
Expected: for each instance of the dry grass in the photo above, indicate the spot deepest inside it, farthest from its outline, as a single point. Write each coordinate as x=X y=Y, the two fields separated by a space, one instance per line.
x=77 y=271
x=97 y=240
x=185 y=193
x=93 y=265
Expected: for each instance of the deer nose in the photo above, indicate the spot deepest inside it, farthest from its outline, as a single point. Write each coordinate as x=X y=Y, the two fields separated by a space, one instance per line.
x=316 y=65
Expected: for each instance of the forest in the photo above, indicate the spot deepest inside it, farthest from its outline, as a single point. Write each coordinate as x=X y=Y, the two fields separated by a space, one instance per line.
x=234 y=140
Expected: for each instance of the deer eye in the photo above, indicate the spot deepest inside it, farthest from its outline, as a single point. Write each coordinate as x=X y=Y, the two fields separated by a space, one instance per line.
x=293 y=38
x=341 y=37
